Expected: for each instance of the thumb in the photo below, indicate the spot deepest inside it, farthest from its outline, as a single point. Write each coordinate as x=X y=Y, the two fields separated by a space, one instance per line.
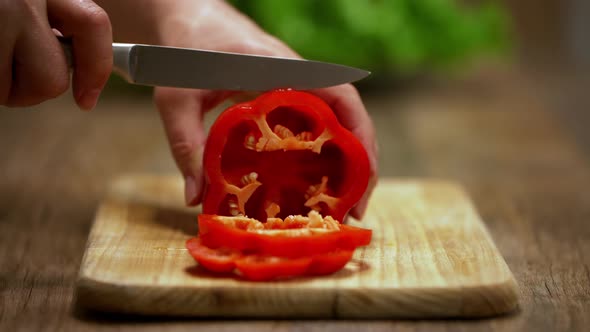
x=182 y=115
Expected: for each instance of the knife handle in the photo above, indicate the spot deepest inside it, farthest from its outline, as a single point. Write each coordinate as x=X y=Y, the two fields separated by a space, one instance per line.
x=66 y=45
x=122 y=53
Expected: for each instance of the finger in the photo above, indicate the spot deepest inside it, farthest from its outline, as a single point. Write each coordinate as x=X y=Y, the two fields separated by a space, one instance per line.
x=182 y=113
x=6 y=64
x=359 y=210
x=352 y=114
x=90 y=29
x=39 y=69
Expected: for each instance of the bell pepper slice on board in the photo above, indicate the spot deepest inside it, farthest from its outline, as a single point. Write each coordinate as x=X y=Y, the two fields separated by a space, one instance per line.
x=256 y=267
x=273 y=167
x=216 y=260
x=298 y=236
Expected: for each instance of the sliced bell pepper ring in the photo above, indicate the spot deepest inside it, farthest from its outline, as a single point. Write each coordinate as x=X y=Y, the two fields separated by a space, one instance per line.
x=284 y=153
x=264 y=267
x=216 y=260
x=251 y=236
x=329 y=263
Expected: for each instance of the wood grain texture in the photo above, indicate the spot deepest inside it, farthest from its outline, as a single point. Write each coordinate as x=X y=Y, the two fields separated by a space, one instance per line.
x=430 y=257
x=501 y=134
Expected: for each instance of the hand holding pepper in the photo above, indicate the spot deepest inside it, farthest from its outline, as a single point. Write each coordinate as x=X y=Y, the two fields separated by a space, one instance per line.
x=216 y=25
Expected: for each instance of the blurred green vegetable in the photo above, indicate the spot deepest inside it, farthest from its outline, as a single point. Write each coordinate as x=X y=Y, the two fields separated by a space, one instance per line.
x=384 y=36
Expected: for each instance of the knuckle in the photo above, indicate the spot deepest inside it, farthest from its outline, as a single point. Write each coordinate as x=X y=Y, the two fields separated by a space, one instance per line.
x=96 y=18
x=182 y=150
x=184 y=154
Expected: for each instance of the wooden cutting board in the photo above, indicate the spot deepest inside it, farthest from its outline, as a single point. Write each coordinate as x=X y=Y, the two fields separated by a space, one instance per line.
x=431 y=256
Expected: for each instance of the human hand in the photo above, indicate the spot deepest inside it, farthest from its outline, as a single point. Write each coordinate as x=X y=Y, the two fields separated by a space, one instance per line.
x=216 y=25
x=33 y=66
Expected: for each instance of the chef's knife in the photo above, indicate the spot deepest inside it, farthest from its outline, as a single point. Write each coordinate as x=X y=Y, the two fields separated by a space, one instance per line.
x=204 y=69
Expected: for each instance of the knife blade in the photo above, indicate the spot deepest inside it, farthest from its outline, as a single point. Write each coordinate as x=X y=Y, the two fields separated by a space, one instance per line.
x=205 y=69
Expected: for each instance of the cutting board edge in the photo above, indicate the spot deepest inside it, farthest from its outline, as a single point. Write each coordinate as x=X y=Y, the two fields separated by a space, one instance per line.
x=474 y=301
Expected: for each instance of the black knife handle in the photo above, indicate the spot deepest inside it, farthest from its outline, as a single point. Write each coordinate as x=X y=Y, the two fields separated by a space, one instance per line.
x=66 y=45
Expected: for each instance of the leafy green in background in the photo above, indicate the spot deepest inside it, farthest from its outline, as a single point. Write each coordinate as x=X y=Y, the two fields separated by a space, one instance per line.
x=384 y=36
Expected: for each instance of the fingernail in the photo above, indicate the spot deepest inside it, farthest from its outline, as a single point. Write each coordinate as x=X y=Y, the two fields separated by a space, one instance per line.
x=88 y=99
x=190 y=190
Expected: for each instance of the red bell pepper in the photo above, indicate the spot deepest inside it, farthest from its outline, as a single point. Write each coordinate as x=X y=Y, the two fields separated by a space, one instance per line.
x=273 y=167
x=284 y=153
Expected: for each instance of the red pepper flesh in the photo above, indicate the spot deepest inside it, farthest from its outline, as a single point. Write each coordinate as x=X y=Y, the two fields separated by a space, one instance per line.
x=214 y=232
x=284 y=153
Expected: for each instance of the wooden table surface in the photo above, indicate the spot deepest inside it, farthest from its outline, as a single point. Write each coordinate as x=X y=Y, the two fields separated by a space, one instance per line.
x=519 y=144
